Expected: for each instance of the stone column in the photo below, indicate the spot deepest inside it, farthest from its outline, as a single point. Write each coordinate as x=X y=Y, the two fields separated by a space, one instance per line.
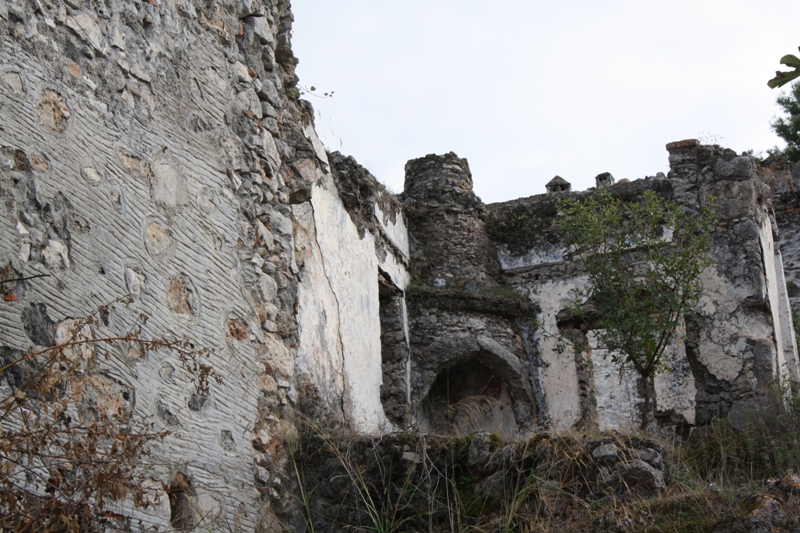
x=449 y=243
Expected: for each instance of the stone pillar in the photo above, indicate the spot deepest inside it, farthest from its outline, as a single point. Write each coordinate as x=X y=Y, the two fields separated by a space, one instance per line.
x=449 y=243
x=734 y=341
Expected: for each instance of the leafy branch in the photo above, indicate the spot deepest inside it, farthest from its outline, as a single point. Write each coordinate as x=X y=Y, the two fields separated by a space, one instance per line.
x=782 y=78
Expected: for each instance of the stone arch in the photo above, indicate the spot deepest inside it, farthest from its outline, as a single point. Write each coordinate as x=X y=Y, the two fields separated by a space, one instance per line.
x=479 y=385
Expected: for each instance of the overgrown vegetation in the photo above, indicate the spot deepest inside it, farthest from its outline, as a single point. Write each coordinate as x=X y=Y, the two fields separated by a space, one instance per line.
x=643 y=259
x=548 y=483
x=72 y=452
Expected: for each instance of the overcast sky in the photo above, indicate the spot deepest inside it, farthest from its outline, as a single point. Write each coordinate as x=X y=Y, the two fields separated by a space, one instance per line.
x=527 y=90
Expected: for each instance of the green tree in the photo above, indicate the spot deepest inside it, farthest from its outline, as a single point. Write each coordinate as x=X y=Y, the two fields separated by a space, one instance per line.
x=788 y=128
x=643 y=259
x=782 y=78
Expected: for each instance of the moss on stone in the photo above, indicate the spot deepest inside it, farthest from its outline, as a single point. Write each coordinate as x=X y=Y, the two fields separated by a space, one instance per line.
x=493 y=302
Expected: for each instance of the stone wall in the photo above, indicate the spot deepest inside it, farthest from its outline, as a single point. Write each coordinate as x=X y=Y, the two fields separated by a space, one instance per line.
x=738 y=343
x=469 y=370
x=158 y=149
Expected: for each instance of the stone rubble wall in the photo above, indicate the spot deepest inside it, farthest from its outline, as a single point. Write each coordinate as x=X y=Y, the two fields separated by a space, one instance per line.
x=739 y=343
x=459 y=317
x=437 y=195
x=158 y=149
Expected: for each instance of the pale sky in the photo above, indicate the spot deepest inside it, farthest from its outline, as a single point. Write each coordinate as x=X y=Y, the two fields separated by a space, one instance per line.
x=527 y=90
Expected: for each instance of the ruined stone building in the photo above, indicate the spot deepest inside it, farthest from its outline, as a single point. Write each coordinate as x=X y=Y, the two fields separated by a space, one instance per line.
x=159 y=150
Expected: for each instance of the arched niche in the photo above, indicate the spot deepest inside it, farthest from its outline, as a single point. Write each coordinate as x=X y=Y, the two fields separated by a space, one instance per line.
x=485 y=389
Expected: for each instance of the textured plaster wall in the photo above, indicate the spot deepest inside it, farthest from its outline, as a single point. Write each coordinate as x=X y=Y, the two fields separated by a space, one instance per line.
x=148 y=206
x=157 y=149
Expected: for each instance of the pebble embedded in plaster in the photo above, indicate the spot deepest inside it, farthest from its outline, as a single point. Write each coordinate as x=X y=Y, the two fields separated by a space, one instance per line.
x=38 y=162
x=135 y=350
x=68 y=331
x=25 y=244
x=209 y=508
x=166 y=181
x=236 y=329
x=205 y=201
x=56 y=255
x=158 y=238
x=91 y=175
x=99 y=394
x=196 y=402
x=226 y=441
x=135 y=282
x=13 y=80
x=52 y=111
x=181 y=297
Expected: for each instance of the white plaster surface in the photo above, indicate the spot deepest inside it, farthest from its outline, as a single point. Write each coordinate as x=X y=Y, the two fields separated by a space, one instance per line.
x=346 y=280
x=396 y=231
x=559 y=376
x=675 y=387
x=396 y=270
x=768 y=256
x=319 y=350
x=787 y=362
x=616 y=390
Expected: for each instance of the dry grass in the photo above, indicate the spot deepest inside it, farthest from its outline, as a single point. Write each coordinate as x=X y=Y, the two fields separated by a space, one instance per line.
x=549 y=483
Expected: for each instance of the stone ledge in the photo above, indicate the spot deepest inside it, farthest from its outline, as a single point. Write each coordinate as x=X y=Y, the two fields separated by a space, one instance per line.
x=448 y=299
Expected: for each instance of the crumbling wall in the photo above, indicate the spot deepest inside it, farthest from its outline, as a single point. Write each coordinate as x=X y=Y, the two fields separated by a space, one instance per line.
x=739 y=342
x=579 y=385
x=735 y=342
x=158 y=149
x=469 y=365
